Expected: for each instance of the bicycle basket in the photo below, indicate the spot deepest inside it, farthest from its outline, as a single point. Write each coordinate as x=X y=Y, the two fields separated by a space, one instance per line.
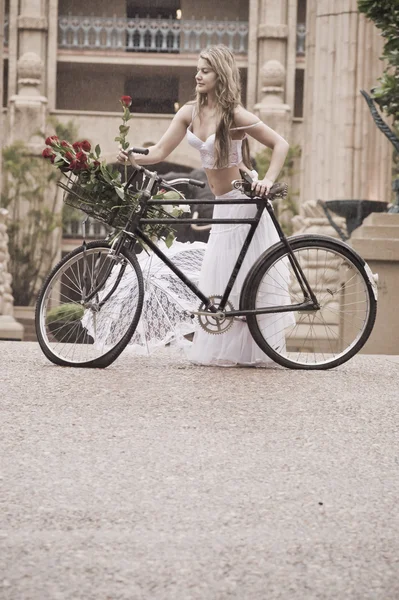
x=103 y=204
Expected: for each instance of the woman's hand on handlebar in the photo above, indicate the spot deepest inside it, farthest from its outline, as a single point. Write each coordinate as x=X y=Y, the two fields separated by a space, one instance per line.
x=261 y=187
x=122 y=157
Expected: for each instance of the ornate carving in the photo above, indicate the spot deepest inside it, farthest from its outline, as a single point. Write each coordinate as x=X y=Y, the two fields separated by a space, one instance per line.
x=30 y=69
x=273 y=75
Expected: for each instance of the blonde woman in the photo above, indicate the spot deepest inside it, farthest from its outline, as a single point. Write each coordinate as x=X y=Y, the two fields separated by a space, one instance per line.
x=217 y=125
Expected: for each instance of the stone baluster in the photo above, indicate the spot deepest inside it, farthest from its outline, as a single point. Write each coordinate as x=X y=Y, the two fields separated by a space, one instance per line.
x=9 y=328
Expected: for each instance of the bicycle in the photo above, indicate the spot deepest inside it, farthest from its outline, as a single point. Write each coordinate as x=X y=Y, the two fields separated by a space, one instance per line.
x=326 y=286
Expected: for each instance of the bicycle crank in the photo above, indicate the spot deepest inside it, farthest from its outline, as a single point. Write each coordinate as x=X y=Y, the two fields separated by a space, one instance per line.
x=218 y=322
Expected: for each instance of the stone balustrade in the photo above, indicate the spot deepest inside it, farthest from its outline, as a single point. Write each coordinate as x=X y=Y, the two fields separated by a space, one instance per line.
x=154 y=35
x=93 y=229
x=150 y=35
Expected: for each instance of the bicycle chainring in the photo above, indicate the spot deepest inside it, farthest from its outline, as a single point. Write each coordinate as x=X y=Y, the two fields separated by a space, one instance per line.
x=214 y=323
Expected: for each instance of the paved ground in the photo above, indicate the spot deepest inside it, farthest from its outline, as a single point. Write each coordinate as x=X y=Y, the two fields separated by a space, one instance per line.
x=155 y=479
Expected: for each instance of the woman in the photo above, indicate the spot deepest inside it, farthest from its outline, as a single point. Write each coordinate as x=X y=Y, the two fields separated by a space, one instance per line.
x=217 y=125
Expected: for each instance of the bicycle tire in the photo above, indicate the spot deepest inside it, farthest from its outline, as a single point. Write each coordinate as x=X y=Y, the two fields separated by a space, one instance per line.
x=75 y=341
x=330 y=334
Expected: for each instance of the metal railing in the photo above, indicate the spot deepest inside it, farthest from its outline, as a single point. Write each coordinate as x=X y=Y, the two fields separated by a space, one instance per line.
x=150 y=35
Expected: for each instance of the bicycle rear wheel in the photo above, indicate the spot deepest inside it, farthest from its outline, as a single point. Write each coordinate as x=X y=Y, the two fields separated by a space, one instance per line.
x=344 y=288
x=89 y=306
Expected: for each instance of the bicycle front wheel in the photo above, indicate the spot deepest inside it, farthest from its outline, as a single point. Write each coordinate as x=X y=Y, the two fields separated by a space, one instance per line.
x=89 y=306
x=345 y=291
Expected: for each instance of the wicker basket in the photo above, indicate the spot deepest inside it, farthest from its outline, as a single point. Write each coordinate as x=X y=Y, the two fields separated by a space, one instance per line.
x=110 y=210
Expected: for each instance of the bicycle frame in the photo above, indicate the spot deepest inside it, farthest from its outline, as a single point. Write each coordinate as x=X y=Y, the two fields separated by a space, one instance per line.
x=134 y=231
x=310 y=302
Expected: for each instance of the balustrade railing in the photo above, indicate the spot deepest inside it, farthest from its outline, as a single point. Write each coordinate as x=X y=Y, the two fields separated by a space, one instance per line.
x=150 y=35
x=93 y=229
x=155 y=35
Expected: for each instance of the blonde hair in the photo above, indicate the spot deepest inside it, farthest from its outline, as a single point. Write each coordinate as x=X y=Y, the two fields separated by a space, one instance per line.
x=228 y=96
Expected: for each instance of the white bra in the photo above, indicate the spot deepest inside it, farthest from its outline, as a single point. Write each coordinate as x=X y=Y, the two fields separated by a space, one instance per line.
x=207 y=148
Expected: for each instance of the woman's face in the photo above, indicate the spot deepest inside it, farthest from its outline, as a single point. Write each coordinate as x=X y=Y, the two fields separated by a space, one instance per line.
x=205 y=77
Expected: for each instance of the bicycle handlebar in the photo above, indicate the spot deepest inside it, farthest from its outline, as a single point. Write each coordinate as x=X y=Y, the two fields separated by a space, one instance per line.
x=136 y=150
x=196 y=182
x=278 y=190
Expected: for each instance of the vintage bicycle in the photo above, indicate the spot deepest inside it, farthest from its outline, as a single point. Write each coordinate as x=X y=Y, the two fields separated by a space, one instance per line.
x=327 y=287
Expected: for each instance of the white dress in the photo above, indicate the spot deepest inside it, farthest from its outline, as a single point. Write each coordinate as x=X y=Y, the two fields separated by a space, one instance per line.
x=236 y=346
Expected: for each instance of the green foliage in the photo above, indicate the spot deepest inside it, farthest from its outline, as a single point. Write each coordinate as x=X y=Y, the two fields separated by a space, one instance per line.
x=27 y=195
x=287 y=208
x=67 y=132
x=65 y=312
x=385 y=14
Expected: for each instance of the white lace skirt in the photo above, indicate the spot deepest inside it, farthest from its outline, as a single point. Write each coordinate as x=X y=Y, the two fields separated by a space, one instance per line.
x=236 y=346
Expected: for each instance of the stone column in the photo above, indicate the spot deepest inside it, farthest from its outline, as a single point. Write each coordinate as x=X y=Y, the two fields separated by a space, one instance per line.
x=28 y=107
x=269 y=89
x=9 y=328
x=344 y=155
x=52 y=49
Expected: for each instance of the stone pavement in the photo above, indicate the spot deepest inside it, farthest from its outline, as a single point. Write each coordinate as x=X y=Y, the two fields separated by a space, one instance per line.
x=155 y=479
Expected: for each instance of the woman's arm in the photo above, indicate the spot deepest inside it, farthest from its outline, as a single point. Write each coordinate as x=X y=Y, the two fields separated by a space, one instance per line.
x=168 y=142
x=268 y=137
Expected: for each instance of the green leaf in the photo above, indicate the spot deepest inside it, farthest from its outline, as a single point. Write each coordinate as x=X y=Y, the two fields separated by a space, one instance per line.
x=97 y=150
x=169 y=239
x=120 y=193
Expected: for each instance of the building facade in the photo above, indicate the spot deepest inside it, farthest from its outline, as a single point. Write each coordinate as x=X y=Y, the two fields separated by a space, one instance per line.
x=302 y=62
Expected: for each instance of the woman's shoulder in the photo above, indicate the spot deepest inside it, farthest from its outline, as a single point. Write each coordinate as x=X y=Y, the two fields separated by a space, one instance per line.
x=185 y=112
x=244 y=118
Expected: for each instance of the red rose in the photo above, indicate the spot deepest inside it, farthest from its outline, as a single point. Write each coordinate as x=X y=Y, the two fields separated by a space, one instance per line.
x=85 y=145
x=47 y=153
x=76 y=146
x=81 y=156
x=65 y=144
x=52 y=158
x=96 y=163
x=69 y=156
x=126 y=101
x=53 y=139
x=73 y=165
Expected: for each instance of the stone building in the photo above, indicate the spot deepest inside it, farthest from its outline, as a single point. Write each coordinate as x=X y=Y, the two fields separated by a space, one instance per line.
x=303 y=63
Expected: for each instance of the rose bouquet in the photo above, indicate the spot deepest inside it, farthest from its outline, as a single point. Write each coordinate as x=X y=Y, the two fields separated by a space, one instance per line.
x=97 y=188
